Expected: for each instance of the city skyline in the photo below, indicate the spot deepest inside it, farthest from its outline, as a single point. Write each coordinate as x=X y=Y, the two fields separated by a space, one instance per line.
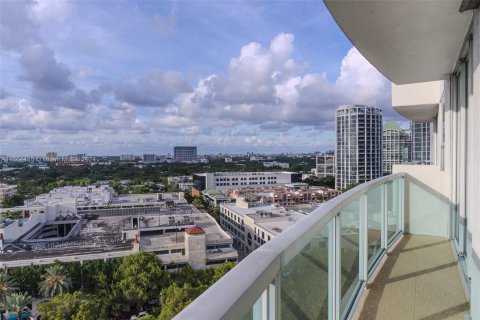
x=76 y=81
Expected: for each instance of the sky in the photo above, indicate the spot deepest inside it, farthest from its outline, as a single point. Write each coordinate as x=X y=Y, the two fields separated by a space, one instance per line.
x=133 y=77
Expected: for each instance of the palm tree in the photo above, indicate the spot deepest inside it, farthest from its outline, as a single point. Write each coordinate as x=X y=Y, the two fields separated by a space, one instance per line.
x=16 y=302
x=7 y=285
x=54 y=281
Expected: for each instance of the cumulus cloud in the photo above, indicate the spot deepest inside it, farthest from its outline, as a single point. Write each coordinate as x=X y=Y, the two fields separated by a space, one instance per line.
x=156 y=89
x=44 y=71
x=18 y=28
x=265 y=86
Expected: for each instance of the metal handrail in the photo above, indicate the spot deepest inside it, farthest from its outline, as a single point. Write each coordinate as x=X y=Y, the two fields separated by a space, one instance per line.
x=236 y=292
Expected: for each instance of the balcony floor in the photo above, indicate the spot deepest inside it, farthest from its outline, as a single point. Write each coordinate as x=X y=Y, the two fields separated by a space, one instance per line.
x=419 y=280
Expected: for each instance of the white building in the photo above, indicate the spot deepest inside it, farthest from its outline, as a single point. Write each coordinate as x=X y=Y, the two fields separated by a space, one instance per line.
x=82 y=196
x=252 y=226
x=421 y=135
x=358 y=144
x=272 y=164
x=396 y=145
x=325 y=165
x=234 y=180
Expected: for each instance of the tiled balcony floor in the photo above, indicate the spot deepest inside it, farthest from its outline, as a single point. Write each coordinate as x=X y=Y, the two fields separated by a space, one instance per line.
x=419 y=280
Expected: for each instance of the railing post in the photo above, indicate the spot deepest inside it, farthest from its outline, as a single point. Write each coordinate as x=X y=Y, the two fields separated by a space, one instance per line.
x=363 y=239
x=278 y=297
x=384 y=222
x=401 y=189
x=334 y=268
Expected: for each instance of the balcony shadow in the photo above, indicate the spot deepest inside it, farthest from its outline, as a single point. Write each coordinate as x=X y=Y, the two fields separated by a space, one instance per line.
x=424 y=246
x=371 y=308
x=447 y=313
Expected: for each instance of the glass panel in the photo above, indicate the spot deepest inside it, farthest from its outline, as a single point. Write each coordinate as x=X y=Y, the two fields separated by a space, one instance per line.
x=393 y=208
x=256 y=311
x=374 y=221
x=304 y=281
x=349 y=253
x=271 y=301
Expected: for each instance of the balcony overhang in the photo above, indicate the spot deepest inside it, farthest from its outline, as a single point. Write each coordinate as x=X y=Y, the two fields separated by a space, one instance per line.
x=418 y=101
x=407 y=41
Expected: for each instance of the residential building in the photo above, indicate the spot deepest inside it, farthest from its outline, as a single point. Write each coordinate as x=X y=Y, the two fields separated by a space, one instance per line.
x=253 y=225
x=7 y=191
x=422 y=133
x=402 y=246
x=325 y=165
x=233 y=180
x=358 y=144
x=184 y=153
x=288 y=195
x=396 y=145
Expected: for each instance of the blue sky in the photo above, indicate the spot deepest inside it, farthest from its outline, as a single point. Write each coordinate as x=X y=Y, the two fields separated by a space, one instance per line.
x=117 y=77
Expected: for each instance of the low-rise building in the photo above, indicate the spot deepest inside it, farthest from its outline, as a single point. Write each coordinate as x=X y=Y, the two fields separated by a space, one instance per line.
x=161 y=223
x=253 y=224
x=273 y=164
x=7 y=191
x=232 y=180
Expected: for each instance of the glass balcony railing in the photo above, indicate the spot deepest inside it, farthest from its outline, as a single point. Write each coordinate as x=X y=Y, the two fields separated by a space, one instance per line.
x=316 y=269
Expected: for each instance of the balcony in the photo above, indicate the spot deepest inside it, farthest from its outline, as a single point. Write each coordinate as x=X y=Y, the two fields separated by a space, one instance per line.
x=378 y=251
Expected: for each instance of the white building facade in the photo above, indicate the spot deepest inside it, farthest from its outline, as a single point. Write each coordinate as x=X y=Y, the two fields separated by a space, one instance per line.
x=358 y=144
x=235 y=180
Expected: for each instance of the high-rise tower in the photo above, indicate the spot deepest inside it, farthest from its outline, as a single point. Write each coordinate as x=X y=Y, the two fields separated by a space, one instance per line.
x=359 y=144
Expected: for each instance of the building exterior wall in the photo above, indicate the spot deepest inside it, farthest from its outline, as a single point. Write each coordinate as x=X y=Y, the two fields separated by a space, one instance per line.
x=325 y=165
x=234 y=180
x=396 y=148
x=184 y=153
x=195 y=250
x=358 y=144
x=422 y=133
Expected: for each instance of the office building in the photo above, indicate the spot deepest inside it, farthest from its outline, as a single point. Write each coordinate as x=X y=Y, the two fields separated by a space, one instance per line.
x=406 y=246
x=396 y=145
x=358 y=144
x=422 y=133
x=185 y=154
x=235 y=180
x=325 y=165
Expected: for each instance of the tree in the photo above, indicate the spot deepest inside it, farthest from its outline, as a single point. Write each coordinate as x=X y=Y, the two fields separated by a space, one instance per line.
x=72 y=306
x=16 y=302
x=54 y=281
x=140 y=278
x=13 y=201
x=350 y=186
x=175 y=298
x=198 y=203
x=7 y=285
x=27 y=278
x=214 y=211
x=221 y=270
